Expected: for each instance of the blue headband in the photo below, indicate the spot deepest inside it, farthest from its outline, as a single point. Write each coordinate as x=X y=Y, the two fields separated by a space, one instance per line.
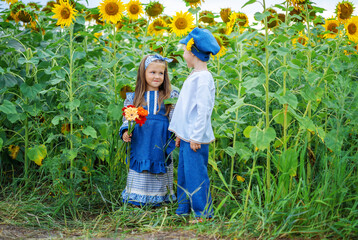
x=155 y=57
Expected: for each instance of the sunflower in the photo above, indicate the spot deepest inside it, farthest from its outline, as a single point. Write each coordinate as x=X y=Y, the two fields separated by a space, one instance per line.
x=206 y=17
x=301 y=39
x=194 y=3
x=298 y=3
x=134 y=9
x=231 y=23
x=157 y=27
x=182 y=23
x=34 y=6
x=331 y=25
x=49 y=6
x=271 y=19
x=14 y=151
x=154 y=9
x=242 y=19
x=298 y=12
x=346 y=52
x=24 y=16
x=190 y=44
x=223 y=49
x=344 y=11
x=11 y=1
x=111 y=10
x=225 y=14
x=281 y=17
x=14 y=9
x=64 y=13
x=352 y=29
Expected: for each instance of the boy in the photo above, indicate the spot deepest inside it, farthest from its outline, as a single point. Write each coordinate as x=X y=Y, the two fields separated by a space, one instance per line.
x=191 y=123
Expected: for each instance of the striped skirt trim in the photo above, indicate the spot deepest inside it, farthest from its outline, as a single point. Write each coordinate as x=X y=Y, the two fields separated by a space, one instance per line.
x=148 y=188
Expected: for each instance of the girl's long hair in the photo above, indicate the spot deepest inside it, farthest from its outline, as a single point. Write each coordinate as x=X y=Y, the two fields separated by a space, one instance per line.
x=140 y=88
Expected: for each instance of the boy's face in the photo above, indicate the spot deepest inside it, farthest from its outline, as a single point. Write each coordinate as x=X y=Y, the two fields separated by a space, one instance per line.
x=188 y=57
x=154 y=75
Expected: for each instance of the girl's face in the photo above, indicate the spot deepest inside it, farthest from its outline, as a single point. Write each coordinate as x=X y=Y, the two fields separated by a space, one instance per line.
x=188 y=57
x=154 y=75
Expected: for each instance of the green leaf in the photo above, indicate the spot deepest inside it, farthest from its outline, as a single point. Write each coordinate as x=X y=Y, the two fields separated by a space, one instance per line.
x=230 y=151
x=30 y=91
x=115 y=111
x=56 y=81
x=262 y=138
x=89 y=65
x=171 y=101
x=90 y=131
x=247 y=131
x=80 y=20
x=289 y=98
x=56 y=120
x=243 y=151
x=73 y=105
x=8 y=107
x=102 y=153
x=1 y=143
x=248 y=3
x=8 y=80
x=37 y=154
x=239 y=103
x=279 y=117
x=259 y=16
x=282 y=51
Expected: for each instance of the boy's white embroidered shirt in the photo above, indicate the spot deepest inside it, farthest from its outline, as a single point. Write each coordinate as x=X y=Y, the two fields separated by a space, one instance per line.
x=191 y=119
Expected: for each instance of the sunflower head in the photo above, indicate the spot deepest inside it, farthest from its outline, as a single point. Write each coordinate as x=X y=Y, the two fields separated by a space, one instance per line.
x=242 y=19
x=298 y=3
x=298 y=12
x=157 y=27
x=134 y=9
x=154 y=9
x=14 y=150
x=223 y=49
x=331 y=25
x=16 y=7
x=194 y=3
x=281 y=17
x=167 y=19
x=34 y=6
x=301 y=39
x=225 y=14
x=111 y=10
x=25 y=16
x=11 y=1
x=182 y=23
x=206 y=17
x=344 y=11
x=64 y=13
x=49 y=6
x=352 y=29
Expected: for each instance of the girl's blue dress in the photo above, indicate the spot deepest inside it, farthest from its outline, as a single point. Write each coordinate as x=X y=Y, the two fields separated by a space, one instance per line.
x=150 y=176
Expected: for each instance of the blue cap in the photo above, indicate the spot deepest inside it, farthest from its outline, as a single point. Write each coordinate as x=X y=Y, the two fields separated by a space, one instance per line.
x=204 y=43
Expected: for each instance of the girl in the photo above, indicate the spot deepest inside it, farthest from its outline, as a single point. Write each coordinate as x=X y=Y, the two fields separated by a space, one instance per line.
x=150 y=176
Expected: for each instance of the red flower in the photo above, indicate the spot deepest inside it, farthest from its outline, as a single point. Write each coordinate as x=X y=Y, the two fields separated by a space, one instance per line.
x=140 y=121
x=124 y=108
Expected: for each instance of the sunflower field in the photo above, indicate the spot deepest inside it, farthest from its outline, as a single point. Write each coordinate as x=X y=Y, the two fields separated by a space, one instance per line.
x=284 y=162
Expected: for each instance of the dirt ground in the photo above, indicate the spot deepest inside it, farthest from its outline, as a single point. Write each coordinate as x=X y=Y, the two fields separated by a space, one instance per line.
x=9 y=232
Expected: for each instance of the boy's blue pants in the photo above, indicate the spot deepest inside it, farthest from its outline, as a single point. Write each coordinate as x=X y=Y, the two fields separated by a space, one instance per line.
x=193 y=190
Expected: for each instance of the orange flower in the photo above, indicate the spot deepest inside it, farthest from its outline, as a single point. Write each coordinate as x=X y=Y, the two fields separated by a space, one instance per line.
x=142 y=112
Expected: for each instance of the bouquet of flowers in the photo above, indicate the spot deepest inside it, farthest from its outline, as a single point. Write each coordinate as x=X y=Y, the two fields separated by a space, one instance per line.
x=134 y=116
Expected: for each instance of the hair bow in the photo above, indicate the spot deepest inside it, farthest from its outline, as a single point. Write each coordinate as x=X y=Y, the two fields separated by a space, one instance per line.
x=155 y=57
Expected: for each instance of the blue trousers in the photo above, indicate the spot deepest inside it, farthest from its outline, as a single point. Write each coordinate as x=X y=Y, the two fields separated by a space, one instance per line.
x=193 y=190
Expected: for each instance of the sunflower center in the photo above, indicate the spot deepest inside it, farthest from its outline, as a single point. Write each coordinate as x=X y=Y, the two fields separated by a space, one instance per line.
x=134 y=9
x=24 y=16
x=332 y=27
x=301 y=40
x=158 y=24
x=346 y=11
x=181 y=23
x=242 y=21
x=352 y=28
x=65 y=13
x=112 y=8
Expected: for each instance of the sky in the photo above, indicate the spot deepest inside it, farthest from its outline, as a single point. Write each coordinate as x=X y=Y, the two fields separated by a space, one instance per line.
x=173 y=6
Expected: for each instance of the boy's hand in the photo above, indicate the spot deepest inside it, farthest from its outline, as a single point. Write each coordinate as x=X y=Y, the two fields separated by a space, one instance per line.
x=177 y=142
x=195 y=146
x=126 y=137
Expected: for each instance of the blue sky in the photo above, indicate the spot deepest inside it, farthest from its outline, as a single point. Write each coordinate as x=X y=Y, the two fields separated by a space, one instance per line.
x=172 y=6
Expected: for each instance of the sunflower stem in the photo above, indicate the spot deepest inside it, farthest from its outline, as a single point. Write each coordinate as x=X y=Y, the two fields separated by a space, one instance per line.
x=70 y=94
